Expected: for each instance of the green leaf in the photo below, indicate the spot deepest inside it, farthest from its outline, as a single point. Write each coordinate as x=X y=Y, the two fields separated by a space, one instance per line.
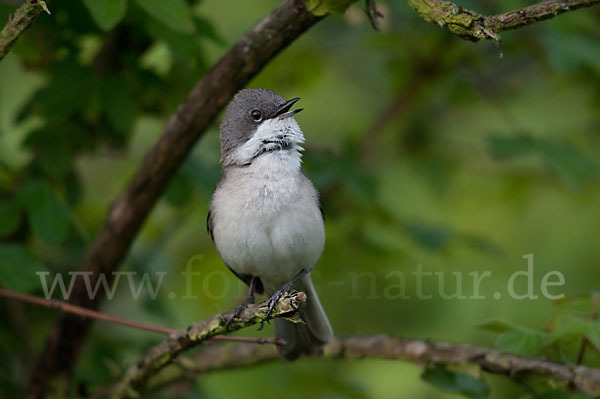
x=322 y=7
x=569 y=327
x=495 y=325
x=455 y=382
x=430 y=236
x=520 y=341
x=570 y=163
x=47 y=215
x=106 y=13
x=10 y=216
x=554 y=394
x=576 y=327
x=592 y=333
x=510 y=147
x=179 y=190
x=176 y=14
x=117 y=101
x=206 y=29
x=560 y=156
x=18 y=268
x=57 y=160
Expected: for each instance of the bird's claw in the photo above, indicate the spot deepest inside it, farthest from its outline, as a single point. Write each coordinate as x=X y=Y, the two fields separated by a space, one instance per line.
x=236 y=313
x=286 y=289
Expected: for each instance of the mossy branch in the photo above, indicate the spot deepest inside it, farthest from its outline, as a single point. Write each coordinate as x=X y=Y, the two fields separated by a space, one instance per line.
x=18 y=22
x=164 y=353
x=473 y=26
x=422 y=352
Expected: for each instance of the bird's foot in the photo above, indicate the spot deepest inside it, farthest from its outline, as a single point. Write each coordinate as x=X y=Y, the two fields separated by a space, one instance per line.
x=286 y=289
x=236 y=313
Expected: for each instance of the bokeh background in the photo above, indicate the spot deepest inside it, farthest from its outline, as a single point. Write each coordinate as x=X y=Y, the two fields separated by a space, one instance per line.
x=427 y=150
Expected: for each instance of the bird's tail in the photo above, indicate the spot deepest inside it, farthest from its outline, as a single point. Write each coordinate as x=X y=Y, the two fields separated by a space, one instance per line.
x=310 y=336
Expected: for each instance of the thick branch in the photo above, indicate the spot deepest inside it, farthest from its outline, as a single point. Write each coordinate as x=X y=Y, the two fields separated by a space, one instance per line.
x=164 y=353
x=421 y=352
x=473 y=26
x=18 y=22
x=233 y=71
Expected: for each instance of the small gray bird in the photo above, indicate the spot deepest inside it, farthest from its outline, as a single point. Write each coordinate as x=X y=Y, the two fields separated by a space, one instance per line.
x=265 y=218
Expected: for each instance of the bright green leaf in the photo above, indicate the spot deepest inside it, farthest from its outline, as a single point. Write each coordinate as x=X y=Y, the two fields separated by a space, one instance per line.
x=455 y=382
x=18 y=268
x=106 y=13
x=157 y=58
x=176 y=14
x=521 y=341
x=47 y=215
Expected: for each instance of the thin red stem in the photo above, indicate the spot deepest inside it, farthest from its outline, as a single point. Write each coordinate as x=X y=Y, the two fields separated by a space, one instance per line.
x=68 y=308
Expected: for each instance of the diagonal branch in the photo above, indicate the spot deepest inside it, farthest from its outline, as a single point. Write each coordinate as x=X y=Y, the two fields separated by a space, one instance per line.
x=473 y=26
x=422 y=352
x=92 y=314
x=231 y=73
x=164 y=353
x=18 y=22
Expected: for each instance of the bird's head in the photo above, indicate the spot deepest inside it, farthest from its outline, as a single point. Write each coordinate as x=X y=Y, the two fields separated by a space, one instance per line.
x=258 y=121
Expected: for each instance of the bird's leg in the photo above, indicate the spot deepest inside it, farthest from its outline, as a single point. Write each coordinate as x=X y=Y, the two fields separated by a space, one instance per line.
x=249 y=300
x=279 y=293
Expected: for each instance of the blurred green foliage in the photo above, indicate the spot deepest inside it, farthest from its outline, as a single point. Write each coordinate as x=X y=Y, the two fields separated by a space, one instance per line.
x=427 y=150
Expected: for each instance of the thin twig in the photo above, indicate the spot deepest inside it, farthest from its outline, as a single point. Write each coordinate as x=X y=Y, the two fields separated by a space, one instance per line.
x=373 y=13
x=78 y=310
x=585 y=341
x=18 y=22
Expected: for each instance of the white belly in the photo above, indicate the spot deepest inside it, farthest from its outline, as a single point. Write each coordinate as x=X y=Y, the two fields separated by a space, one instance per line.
x=266 y=220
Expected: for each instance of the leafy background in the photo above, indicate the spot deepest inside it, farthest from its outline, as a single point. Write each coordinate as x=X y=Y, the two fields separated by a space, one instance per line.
x=427 y=150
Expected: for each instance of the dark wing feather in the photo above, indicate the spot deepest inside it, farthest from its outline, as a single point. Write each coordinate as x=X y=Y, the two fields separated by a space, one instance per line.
x=246 y=278
x=209 y=225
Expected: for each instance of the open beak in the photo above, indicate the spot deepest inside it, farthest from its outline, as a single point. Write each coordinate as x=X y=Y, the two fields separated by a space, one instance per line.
x=284 y=110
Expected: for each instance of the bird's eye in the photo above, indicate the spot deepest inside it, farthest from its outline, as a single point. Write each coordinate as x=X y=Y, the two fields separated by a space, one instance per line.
x=256 y=115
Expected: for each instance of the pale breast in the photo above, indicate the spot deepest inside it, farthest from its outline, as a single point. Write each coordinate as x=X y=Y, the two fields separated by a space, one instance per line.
x=266 y=219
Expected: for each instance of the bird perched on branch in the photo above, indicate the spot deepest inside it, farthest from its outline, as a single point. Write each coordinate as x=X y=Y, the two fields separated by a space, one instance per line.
x=265 y=218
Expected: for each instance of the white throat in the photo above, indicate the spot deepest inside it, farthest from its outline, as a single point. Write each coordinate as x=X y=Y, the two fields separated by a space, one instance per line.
x=276 y=141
